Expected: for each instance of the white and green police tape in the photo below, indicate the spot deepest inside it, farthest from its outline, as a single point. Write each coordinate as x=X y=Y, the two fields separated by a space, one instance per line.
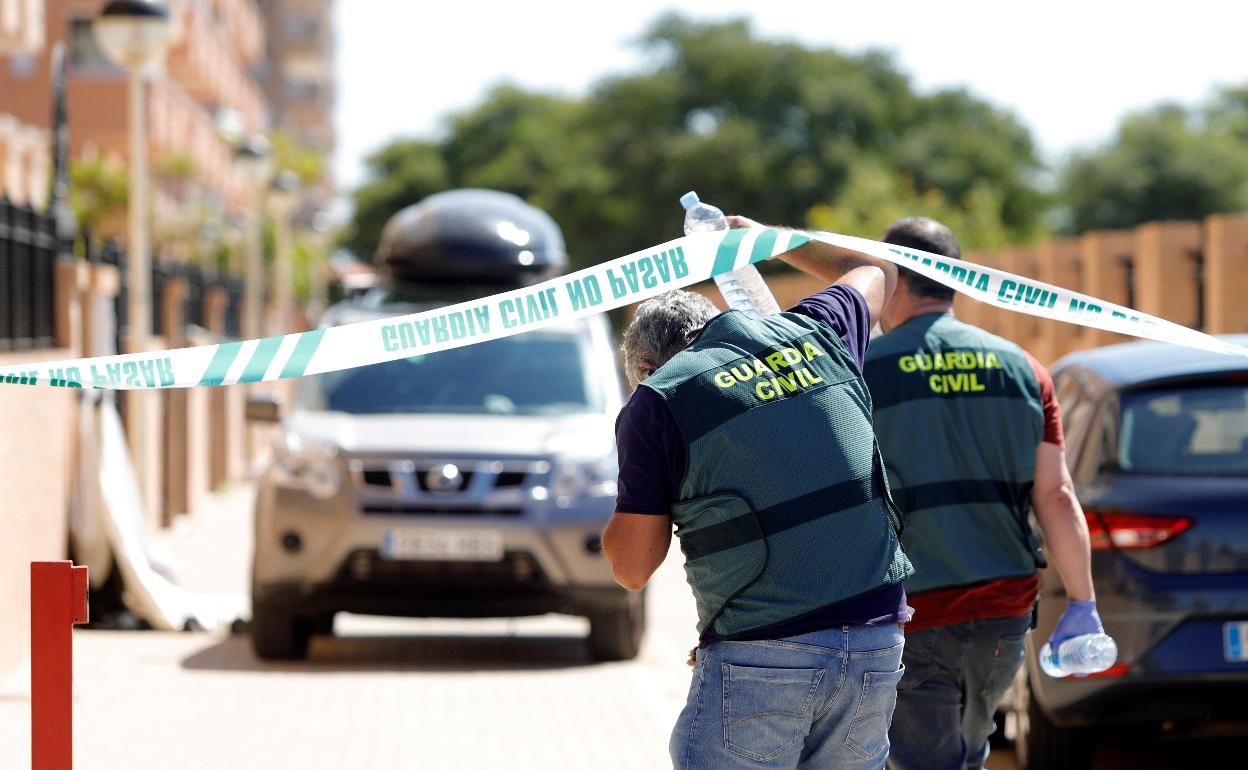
x=613 y=284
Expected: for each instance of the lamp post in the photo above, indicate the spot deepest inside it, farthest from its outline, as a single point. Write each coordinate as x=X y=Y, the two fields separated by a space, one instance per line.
x=283 y=196
x=253 y=158
x=134 y=33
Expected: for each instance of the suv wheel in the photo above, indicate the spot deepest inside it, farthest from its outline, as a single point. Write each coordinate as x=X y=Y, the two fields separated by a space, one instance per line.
x=615 y=634
x=277 y=633
x=1042 y=745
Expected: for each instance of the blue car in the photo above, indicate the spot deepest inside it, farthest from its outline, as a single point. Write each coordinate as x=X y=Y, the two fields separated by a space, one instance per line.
x=1157 y=442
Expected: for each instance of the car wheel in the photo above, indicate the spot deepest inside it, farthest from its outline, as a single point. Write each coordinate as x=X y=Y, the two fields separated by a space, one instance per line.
x=277 y=633
x=615 y=634
x=1042 y=745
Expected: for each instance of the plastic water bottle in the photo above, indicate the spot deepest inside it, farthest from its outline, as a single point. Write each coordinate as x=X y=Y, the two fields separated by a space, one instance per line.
x=743 y=289
x=1079 y=655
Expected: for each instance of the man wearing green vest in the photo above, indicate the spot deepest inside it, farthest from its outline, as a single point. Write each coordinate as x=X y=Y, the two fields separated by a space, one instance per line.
x=753 y=437
x=972 y=437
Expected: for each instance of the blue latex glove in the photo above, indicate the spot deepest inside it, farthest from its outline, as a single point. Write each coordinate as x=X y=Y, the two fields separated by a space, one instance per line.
x=1079 y=618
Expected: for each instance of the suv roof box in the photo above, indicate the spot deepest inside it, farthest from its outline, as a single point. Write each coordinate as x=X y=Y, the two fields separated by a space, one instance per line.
x=471 y=236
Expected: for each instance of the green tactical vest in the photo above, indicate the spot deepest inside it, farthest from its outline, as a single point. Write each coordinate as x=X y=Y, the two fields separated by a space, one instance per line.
x=784 y=508
x=958 y=416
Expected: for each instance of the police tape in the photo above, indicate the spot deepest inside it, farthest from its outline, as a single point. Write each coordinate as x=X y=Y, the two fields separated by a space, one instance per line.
x=619 y=282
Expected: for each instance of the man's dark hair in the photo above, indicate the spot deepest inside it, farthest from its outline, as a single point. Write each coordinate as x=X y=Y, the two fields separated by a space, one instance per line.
x=926 y=235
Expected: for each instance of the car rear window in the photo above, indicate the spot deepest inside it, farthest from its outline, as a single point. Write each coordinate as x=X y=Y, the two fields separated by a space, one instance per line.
x=538 y=373
x=1188 y=431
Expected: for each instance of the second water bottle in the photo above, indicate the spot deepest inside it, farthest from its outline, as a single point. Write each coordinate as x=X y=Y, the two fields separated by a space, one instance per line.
x=744 y=288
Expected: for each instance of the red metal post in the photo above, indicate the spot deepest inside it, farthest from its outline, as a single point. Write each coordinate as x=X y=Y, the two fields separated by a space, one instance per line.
x=58 y=600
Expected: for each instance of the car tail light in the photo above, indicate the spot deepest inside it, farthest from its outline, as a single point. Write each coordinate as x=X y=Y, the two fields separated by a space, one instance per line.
x=1126 y=531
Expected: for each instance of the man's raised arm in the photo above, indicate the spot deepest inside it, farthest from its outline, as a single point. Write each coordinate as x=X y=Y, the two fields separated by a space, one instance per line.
x=873 y=277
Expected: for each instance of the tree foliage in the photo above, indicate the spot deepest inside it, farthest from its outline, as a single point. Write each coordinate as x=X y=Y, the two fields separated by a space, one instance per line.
x=781 y=132
x=98 y=192
x=1168 y=162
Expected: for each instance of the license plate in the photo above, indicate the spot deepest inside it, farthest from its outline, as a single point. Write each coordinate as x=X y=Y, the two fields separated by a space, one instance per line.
x=1235 y=641
x=442 y=544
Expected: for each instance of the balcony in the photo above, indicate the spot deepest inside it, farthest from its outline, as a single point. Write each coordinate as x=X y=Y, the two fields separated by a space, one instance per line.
x=21 y=27
x=25 y=161
x=211 y=65
x=243 y=25
x=180 y=126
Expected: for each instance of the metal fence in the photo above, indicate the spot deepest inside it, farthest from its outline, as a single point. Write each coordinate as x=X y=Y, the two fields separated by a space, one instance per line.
x=198 y=286
x=28 y=251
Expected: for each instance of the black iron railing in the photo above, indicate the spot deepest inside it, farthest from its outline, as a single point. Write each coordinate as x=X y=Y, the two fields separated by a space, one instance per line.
x=28 y=251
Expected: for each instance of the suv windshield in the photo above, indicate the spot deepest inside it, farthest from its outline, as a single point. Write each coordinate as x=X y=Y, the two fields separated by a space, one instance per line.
x=1195 y=431
x=536 y=373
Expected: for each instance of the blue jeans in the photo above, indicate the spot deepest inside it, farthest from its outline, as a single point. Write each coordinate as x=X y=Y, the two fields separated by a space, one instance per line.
x=955 y=677
x=821 y=701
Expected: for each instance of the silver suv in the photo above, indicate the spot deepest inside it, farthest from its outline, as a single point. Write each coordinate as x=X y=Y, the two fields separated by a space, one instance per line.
x=473 y=482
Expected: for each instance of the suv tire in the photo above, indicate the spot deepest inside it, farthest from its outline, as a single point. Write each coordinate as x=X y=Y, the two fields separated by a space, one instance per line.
x=277 y=633
x=616 y=633
x=1042 y=745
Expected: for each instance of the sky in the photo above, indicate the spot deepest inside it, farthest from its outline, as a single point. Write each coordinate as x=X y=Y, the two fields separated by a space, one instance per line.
x=1068 y=70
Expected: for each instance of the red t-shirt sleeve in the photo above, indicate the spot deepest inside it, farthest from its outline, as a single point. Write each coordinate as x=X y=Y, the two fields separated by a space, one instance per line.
x=1048 y=398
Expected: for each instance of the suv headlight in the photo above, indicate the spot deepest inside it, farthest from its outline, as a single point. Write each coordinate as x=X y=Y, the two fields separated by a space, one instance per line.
x=576 y=480
x=310 y=466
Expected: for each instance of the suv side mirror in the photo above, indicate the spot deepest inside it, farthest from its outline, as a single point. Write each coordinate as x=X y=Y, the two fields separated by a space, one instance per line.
x=265 y=407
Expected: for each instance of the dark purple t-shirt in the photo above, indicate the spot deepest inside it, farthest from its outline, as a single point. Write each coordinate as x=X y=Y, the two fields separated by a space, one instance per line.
x=653 y=458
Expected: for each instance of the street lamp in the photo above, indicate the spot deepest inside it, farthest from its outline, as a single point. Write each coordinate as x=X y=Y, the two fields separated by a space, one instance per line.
x=284 y=197
x=134 y=33
x=254 y=161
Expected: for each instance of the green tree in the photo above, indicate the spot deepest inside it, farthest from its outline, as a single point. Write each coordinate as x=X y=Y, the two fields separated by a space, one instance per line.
x=98 y=192
x=874 y=198
x=400 y=174
x=776 y=130
x=1168 y=162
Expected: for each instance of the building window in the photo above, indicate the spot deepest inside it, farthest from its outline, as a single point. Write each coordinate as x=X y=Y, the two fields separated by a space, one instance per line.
x=301 y=28
x=303 y=90
x=22 y=66
x=84 y=54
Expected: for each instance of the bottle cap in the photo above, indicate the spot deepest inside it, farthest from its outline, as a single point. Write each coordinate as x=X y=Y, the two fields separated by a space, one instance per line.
x=689 y=199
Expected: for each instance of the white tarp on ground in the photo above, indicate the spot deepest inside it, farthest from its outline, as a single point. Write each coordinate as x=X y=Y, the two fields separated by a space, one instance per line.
x=149 y=594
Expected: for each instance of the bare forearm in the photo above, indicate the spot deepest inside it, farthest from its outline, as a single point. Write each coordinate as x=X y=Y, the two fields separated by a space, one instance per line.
x=873 y=277
x=832 y=263
x=1066 y=532
x=635 y=545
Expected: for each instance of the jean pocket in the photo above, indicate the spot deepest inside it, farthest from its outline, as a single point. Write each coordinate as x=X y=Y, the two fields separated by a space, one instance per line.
x=868 y=733
x=1007 y=657
x=766 y=710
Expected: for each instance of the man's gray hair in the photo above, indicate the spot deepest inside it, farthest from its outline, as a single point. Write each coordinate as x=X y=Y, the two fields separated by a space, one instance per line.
x=662 y=327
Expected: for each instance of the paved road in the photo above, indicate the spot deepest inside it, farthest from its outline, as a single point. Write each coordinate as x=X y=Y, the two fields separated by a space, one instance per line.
x=399 y=693
x=383 y=694
x=1125 y=753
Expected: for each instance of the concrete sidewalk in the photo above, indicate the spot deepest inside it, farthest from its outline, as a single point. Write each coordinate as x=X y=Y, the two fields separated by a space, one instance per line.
x=383 y=693
x=210 y=552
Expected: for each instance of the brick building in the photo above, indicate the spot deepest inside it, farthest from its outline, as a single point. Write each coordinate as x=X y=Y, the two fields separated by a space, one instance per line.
x=25 y=155
x=217 y=46
x=298 y=79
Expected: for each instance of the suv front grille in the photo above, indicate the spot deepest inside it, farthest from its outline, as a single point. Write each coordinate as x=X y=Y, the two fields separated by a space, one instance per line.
x=510 y=479
x=417 y=509
x=461 y=482
x=445 y=487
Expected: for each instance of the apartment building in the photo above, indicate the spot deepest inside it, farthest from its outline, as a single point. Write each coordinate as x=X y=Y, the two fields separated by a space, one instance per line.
x=208 y=73
x=25 y=152
x=298 y=78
